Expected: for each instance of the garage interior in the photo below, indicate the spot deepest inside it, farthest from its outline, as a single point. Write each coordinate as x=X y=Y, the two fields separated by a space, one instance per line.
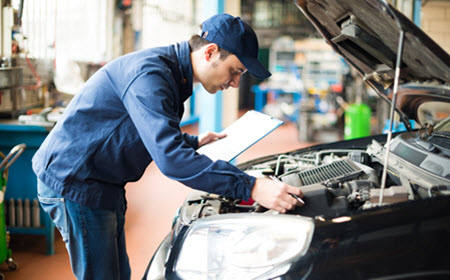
x=54 y=46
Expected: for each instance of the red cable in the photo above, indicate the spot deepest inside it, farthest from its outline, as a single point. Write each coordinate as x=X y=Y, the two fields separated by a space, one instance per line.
x=35 y=74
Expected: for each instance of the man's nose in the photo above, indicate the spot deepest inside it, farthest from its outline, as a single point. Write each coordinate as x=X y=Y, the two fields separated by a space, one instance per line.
x=235 y=81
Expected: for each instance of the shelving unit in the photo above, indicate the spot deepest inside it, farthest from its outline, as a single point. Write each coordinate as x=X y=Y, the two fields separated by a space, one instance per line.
x=22 y=180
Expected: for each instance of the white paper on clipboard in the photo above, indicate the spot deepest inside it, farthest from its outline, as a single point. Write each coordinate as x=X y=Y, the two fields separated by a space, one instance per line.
x=241 y=134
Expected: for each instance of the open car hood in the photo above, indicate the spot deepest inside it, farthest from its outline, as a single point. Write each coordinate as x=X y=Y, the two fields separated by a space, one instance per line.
x=366 y=34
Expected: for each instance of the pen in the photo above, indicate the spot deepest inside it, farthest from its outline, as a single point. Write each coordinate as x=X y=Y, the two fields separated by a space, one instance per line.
x=296 y=196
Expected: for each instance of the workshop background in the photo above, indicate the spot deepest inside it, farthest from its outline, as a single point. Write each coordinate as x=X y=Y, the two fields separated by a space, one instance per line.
x=49 y=48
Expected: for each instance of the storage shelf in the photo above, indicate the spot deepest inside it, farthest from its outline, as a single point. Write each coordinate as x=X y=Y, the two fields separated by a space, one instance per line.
x=22 y=230
x=22 y=182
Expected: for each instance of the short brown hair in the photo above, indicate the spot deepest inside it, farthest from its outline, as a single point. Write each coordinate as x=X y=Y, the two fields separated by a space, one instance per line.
x=196 y=42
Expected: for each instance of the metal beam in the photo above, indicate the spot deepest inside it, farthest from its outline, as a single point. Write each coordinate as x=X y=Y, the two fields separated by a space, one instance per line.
x=417 y=12
x=211 y=104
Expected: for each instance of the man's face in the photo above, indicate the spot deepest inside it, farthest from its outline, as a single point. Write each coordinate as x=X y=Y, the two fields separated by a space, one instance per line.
x=220 y=74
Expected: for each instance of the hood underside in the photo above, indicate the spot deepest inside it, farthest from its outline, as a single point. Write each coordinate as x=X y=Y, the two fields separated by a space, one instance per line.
x=366 y=34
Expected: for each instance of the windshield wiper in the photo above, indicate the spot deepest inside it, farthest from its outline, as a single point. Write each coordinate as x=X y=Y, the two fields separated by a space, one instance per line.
x=444 y=134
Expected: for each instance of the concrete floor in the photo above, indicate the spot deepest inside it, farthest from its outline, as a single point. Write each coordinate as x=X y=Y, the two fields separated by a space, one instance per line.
x=152 y=203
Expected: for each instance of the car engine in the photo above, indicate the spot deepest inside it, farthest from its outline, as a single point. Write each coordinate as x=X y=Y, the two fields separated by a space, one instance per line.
x=337 y=182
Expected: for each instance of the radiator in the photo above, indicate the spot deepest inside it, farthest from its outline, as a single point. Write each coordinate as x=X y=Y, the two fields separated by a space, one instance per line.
x=338 y=170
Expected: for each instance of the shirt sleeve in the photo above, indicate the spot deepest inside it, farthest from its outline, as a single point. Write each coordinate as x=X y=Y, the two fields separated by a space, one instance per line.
x=151 y=101
x=192 y=140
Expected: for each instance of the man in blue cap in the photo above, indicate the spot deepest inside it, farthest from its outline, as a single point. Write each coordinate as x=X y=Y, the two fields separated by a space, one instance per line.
x=127 y=115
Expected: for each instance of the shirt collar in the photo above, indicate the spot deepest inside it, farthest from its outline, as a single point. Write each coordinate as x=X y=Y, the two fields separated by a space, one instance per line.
x=183 y=54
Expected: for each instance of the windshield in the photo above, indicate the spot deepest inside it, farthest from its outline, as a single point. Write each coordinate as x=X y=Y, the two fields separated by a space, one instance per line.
x=435 y=112
x=443 y=126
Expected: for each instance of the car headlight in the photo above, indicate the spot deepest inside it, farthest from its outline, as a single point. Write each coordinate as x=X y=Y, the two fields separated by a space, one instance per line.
x=242 y=246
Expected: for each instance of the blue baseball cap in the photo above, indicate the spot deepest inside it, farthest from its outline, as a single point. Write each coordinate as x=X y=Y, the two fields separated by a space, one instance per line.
x=237 y=37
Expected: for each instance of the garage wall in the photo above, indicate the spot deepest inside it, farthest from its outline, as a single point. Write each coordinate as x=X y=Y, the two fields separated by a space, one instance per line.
x=167 y=22
x=436 y=21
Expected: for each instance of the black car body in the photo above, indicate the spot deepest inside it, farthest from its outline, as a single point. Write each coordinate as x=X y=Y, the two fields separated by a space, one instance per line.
x=375 y=207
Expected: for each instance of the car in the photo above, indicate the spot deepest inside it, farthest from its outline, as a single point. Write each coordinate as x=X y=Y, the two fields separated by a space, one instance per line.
x=376 y=207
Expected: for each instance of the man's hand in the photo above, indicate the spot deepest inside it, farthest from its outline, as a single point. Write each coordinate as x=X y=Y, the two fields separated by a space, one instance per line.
x=275 y=195
x=208 y=137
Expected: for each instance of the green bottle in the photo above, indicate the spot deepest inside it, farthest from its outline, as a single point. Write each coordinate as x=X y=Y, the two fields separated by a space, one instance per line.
x=357 y=121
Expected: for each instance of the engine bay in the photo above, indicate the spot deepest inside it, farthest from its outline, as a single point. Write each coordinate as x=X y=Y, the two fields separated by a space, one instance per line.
x=334 y=182
x=337 y=182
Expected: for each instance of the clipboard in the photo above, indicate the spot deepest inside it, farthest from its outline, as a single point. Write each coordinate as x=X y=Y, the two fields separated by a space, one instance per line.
x=241 y=135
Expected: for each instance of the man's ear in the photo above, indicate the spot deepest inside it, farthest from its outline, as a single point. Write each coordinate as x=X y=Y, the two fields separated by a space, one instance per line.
x=210 y=51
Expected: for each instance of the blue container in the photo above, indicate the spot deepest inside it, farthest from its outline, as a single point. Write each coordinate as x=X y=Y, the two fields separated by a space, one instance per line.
x=397 y=126
x=21 y=179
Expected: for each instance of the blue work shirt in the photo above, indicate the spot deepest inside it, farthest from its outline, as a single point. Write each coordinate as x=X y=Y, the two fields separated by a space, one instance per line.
x=126 y=115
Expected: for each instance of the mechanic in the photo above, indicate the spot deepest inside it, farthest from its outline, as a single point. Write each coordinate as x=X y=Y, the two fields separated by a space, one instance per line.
x=128 y=114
